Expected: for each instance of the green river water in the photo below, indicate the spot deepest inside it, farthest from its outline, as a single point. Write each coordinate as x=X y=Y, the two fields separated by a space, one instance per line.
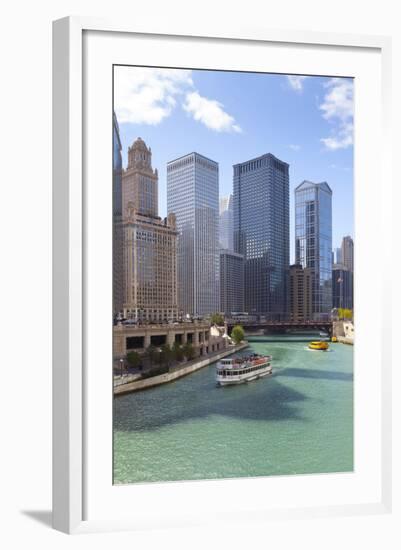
x=297 y=421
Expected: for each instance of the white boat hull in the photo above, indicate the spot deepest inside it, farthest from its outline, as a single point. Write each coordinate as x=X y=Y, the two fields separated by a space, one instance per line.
x=243 y=378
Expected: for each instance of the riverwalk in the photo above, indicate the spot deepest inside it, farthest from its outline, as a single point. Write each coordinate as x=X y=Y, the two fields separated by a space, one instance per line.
x=122 y=387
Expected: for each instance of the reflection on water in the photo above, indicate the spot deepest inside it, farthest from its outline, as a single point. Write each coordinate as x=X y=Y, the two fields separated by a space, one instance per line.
x=300 y=420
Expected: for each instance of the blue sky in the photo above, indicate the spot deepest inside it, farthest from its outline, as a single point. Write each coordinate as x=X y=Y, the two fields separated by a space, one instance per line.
x=231 y=117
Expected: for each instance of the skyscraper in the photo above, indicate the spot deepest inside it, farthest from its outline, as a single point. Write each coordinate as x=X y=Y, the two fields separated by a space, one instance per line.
x=226 y=223
x=261 y=233
x=118 y=250
x=150 y=243
x=343 y=287
x=338 y=259
x=193 y=196
x=231 y=282
x=300 y=293
x=313 y=241
x=347 y=253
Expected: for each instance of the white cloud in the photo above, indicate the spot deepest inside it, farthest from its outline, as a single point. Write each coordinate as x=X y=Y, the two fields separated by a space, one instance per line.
x=294 y=147
x=296 y=82
x=337 y=167
x=210 y=112
x=145 y=95
x=338 y=109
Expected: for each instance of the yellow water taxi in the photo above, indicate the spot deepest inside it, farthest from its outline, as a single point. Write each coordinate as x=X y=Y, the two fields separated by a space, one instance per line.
x=334 y=339
x=319 y=345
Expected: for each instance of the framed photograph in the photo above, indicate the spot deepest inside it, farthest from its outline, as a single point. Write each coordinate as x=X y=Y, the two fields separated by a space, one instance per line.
x=219 y=329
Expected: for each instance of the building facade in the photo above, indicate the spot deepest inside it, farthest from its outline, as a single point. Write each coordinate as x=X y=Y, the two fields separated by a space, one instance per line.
x=343 y=287
x=338 y=258
x=204 y=339
x=347 y=253
x=313 y=242
x=226 y=223
x=150 y=244
x=118 y=234
x=261 y=233
x=140 y=181
x=231 y=282
x=193 y=196
x=300 y=293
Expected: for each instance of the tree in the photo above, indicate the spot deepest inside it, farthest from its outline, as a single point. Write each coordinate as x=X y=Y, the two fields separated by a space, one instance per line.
x=166 y=354
x=134 y=359
x=189 y=351
x=151 y=354
x=237 y=334
x=348 y=314
x=344 y=313
x=217 y=319
x=177 y=351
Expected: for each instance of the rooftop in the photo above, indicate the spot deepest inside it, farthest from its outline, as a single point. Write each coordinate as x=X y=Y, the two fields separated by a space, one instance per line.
x=193 y=153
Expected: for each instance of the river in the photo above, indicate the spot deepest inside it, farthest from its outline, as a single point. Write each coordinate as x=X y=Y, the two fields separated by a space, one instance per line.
x=297 y=421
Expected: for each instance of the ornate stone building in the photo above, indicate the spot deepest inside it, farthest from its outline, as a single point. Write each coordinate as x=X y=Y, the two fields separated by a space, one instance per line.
x=140 y=181
x=150 y=243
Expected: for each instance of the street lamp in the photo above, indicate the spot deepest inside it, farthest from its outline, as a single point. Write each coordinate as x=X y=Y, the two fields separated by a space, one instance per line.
x=121 y=367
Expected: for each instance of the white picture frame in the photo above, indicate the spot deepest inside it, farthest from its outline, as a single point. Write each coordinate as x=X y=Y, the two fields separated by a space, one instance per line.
x=72 y=337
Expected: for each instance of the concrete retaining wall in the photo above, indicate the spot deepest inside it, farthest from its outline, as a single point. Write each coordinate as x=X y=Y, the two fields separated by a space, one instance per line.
x=338 y=329
x=179 y=373
x=346 y=340
x=344 y=331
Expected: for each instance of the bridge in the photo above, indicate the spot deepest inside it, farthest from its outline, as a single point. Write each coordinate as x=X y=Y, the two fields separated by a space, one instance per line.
x=282 y=326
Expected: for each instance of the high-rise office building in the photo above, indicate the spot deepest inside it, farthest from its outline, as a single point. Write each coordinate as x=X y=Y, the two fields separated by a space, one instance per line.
x=338 y=258
x=118 y=235
x=300 y=293
x=347 y=253
x=261 y=233
x=343 y=287
x=231 y=282
x=313 y=241
x=150 y=243
x=226 y=223
x=193 y=196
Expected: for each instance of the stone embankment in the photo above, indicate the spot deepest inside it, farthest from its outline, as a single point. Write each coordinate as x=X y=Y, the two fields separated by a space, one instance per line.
x=178 y=372
x=344 y=332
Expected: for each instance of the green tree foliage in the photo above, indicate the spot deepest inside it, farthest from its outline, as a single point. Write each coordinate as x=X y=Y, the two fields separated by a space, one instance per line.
x=134 y=359
x=217 y=319
x=166 y=354
x=178 y=352
x=237 y=334
x=344 y=313
x=152 y=354
x=189 y=351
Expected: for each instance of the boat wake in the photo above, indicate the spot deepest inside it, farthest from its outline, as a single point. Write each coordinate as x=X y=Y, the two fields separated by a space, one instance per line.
x=325 y=351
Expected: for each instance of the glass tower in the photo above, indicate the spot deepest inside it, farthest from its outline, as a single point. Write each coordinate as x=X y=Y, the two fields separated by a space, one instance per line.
x=118 y=252
x=226 y=223
x=347 y=253
x=193 y=196
x=343 y=287
x=261 y=233
x=313 y=241
x=231 y=282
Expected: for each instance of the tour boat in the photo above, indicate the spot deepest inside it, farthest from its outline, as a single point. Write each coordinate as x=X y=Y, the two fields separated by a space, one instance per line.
x=319 y=345
x=242 y=369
